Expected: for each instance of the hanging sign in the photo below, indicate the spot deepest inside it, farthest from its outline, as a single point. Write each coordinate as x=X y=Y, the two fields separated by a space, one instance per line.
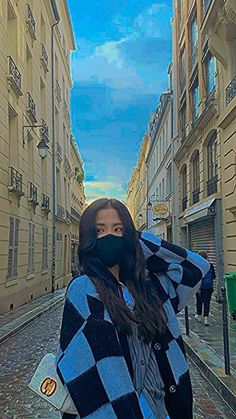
x=161 y=210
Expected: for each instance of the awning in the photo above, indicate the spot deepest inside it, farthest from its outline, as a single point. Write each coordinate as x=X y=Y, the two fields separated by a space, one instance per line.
x=199 y=211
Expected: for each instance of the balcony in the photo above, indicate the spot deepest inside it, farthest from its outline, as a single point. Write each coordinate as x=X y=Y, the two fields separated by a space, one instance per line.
x=67 y=165
x=58 y=91
x=31 y=108
x=44 y=131
x=15 y=183
x=30 y=21
x=60 y=213
x=75 y=215
x=66 y=112
x=59 y=152
x=44 y=58
x=196 y=196
x=33 y=194
x=212 y=185
x=46 y=204
x=14 y=77
x=230 y=91
x=68 y=217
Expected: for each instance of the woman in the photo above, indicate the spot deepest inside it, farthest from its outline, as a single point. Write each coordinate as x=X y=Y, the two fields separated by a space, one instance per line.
x=121 y=354
x=203 y=296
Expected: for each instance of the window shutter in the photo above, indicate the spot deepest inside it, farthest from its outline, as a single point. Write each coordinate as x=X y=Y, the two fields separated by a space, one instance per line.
x=16 y=242
x=11 y=248
x=31 y=248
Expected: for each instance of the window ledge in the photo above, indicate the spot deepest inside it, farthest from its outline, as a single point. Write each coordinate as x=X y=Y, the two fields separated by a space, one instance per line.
x=11 y=282
x=45 y=271
x=30 y=276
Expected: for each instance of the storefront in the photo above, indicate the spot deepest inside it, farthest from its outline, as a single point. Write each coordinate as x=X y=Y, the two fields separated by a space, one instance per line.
x=204 y=228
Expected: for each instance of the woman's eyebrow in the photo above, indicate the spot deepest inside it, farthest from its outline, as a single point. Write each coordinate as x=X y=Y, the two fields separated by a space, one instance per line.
x=102 y=224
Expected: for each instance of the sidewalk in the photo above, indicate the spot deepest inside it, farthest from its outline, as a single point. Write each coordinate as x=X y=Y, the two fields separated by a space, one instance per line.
x=15 y=320
x=204 y=346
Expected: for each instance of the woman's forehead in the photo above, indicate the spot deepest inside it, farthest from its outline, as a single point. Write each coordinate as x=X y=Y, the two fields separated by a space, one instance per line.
x=106 y=215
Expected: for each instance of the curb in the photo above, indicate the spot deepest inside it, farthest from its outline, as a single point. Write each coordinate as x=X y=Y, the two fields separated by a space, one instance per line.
x=27 y=318
x=223 y=389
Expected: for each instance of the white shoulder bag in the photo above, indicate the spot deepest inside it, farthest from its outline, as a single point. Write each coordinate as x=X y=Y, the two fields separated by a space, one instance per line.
x=47 y=384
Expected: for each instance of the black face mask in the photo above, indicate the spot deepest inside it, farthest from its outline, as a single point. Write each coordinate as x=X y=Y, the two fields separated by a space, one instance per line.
x=110 y=249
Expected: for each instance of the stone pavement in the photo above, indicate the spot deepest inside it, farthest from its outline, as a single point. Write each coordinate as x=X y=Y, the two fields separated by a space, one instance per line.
x=205 y=347
x=15 y=320
x=21 y=353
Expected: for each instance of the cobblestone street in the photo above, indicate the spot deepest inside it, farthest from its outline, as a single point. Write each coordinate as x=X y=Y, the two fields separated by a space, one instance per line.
x=21 y=353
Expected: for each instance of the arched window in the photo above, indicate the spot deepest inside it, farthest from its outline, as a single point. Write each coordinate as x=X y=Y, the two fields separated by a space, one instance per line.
x=184 y=187
x=196 y=178
x=212 y=177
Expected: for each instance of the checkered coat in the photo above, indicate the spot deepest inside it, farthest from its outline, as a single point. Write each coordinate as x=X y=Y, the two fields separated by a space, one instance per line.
x=93 y=360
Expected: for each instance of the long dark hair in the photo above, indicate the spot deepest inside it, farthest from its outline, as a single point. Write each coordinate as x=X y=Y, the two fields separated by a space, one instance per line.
x=148 y=312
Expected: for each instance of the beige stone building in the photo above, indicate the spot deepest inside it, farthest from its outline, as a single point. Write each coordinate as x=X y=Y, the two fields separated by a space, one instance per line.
x=205 y=155
x=77 y=200
x=137 y=190
x=25 y=178
x=219 y=27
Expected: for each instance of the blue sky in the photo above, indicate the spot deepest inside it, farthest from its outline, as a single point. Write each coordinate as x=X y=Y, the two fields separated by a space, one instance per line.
x=119 y=71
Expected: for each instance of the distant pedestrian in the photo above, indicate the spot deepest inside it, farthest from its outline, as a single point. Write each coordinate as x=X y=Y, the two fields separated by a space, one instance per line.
x=121 y=353
x=203 y=296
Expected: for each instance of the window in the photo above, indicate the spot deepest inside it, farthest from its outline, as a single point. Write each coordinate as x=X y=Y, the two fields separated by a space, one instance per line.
x=45 y=248
x=59 y=255
x=195 y=100
x=212 y=165
x=210 y=64
x=31 y=249
x=194 y=41
x=183 y=123
x=183 y=70
x=196 y=178
x=169 y=179
x=184 y=187
x=181 y=12
x=13 y=248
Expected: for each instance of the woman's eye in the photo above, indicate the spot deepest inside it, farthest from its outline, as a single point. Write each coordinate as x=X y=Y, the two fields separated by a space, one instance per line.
x=99 y=230
x=119 y=228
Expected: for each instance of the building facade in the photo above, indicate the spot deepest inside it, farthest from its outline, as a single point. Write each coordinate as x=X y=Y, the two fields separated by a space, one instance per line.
x=26 y=178
x=219 y=27
x=159 y=168
x=77 y=201
x=198 y=154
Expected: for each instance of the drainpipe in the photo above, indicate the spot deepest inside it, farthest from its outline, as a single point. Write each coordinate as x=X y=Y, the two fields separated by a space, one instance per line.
x=57 y=19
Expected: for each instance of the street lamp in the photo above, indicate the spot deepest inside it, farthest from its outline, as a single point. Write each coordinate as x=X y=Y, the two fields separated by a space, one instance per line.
x=42 y=148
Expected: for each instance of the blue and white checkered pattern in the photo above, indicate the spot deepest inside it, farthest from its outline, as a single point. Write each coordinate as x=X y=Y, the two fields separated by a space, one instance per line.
x=90 y=360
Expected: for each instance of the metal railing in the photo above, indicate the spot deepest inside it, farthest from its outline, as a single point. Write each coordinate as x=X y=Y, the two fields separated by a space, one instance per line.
x=44 y=57
x=31 y=22
x=46 y=203
x=33 y=193
x=14 y=76
x=230 y=91
x=59 y=151
x=58 y=90
x=31 y=107
x=16 y=182
x=212 y=185
x=67 y=164
x=68 y=215
x=60 y=212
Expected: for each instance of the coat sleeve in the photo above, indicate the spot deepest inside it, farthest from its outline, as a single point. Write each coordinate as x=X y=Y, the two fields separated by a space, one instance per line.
x=90 y=362
x=183 y=268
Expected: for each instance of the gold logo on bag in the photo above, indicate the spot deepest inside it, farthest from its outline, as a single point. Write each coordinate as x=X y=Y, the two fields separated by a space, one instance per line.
x=48 y=386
